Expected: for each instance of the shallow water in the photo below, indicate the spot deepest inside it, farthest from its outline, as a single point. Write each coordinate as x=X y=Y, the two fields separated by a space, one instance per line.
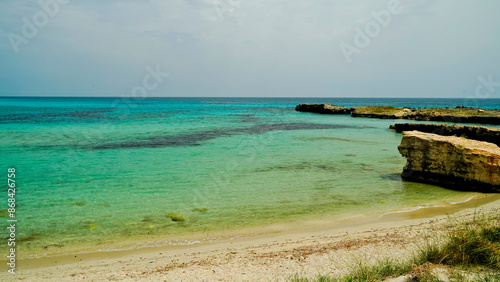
x=104 y=170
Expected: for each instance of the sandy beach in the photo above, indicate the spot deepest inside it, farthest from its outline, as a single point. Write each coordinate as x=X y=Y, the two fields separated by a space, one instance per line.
x=231 y=140
x=308 y=250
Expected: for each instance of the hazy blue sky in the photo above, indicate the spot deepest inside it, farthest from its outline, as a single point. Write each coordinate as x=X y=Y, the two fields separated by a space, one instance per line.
x=249 y=48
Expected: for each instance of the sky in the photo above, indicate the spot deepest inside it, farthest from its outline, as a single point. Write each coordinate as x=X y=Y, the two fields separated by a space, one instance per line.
x=250 y=48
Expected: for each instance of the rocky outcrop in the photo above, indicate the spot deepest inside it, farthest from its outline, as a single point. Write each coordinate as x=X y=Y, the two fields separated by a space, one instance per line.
x=458 y=114
x=480 y=133
x=451 y=161
x=382 y=112
x=323 y=109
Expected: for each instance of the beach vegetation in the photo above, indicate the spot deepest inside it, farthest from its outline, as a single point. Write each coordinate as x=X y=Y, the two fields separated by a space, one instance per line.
x=469 y=251
x=469 y=244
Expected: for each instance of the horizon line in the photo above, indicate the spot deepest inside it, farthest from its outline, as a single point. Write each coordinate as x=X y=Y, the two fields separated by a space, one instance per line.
x=246 y=97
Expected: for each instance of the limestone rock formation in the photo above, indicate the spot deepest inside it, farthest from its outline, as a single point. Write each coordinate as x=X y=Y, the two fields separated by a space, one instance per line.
x=451 y=161
x=382 y=112
x=480 y=133
x=323 y=109
x=458 y=114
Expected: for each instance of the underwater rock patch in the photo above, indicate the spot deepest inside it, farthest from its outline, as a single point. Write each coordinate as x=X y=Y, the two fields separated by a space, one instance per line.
x=301 y=166
x=200 y=210
x=195 y=139
x=79 y=203
x=176 y=217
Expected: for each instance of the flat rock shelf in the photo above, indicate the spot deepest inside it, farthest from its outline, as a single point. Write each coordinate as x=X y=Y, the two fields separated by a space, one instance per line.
x=451 y=161
x=480 y=133
x=458 y=114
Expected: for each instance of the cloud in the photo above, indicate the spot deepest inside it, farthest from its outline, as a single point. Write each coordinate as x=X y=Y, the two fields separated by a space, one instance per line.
x=243 y=47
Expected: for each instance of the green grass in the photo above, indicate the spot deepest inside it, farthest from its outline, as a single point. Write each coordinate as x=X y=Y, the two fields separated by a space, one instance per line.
x=470 y=251
x=382 y=269
x=361 y=271
x=473 y=243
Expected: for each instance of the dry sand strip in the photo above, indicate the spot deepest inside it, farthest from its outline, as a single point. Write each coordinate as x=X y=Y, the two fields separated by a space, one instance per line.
x=270 y=257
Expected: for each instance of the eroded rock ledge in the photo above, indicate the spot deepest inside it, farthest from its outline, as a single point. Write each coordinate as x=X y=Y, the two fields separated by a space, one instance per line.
x=324 y=109
x=458 y=114
x=451 y=161
x=480 y=133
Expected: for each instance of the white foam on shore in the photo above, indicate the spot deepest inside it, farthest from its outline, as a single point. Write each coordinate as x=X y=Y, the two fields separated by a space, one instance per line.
x=427 y=206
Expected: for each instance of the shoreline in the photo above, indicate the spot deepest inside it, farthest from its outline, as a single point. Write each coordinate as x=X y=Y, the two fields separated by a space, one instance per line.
x=151 y=241
x=300 y=234
x=141 y=242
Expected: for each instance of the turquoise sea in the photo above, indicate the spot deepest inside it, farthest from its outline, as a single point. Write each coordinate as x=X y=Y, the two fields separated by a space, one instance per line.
x=111 y=173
